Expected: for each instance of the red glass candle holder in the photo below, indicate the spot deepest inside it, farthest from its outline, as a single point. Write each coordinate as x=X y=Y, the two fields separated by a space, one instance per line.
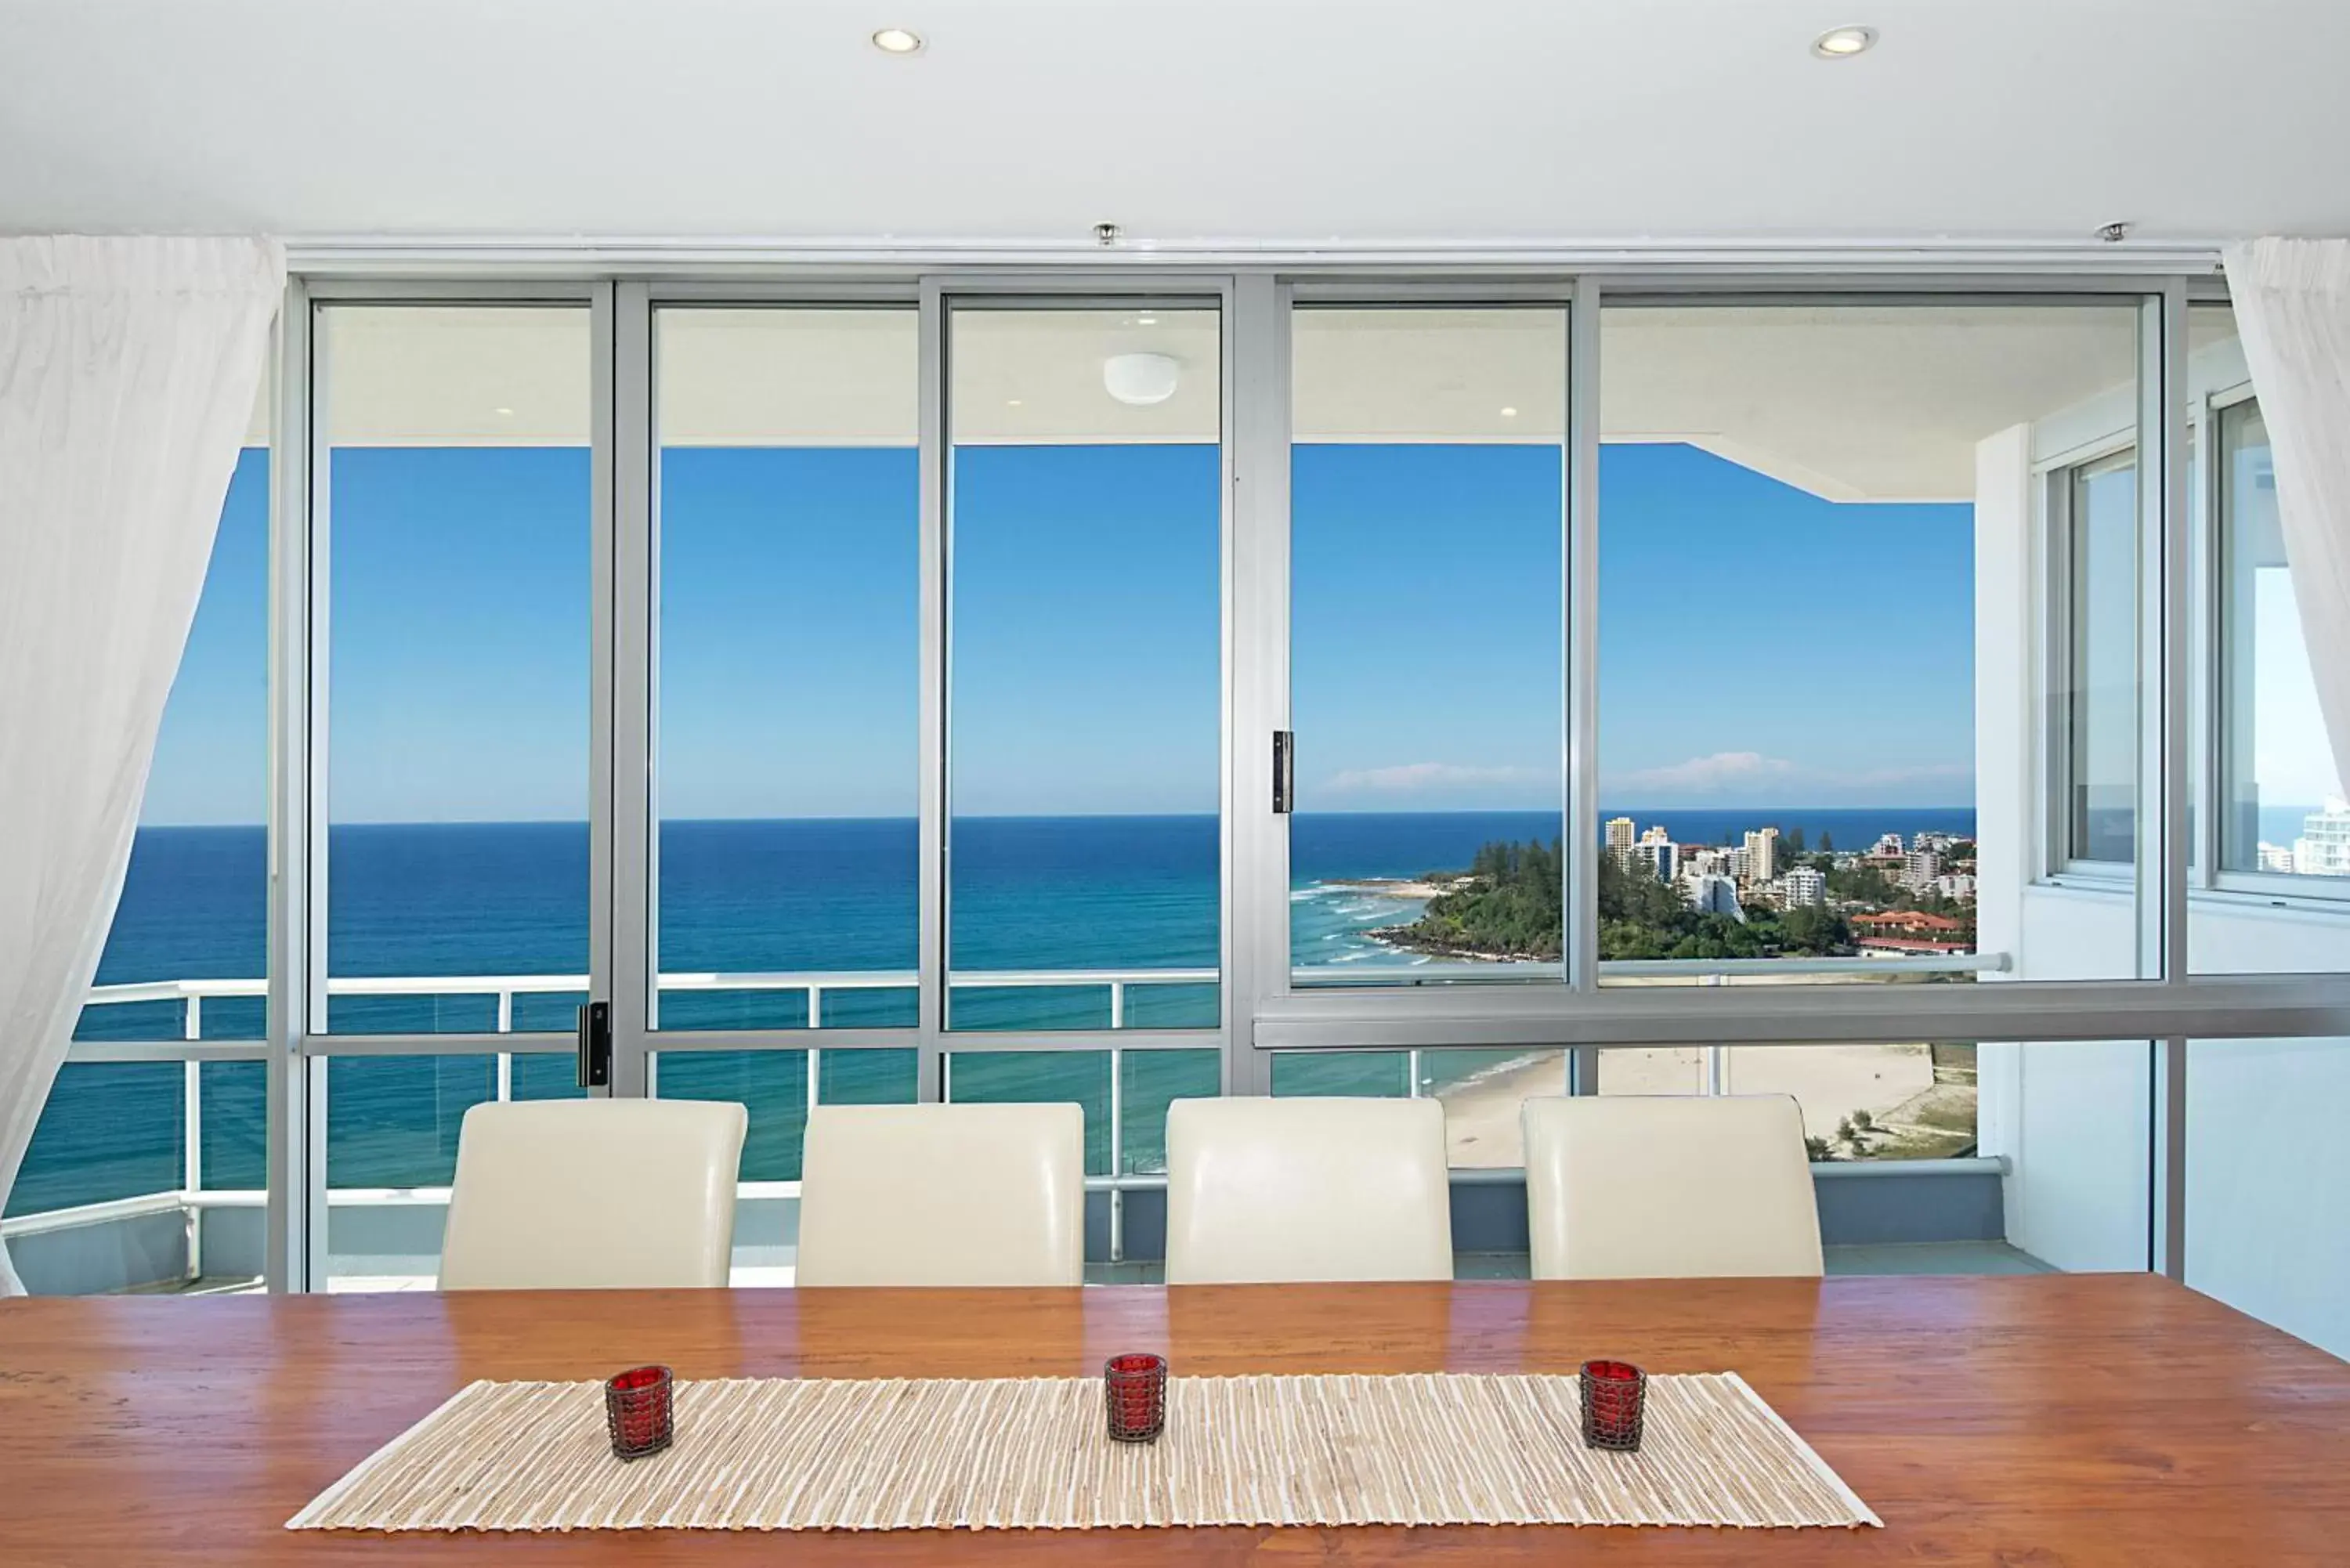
x=1613 y=1395
x=1134 y=1392
x=637 y=1412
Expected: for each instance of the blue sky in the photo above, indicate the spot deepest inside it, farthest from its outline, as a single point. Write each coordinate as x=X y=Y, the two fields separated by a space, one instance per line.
x=1757 y=645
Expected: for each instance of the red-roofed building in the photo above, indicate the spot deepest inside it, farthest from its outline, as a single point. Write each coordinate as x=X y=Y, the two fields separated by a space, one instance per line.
x=1908 y=923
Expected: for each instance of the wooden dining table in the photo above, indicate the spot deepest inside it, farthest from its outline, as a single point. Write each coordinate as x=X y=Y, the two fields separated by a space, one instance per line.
x=2031 y=1420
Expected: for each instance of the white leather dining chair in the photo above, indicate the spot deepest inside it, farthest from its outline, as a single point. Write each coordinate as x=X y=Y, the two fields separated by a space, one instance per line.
x=593 y=1195
x=1670 y=1187
x=1261 y=1190
x=943 y=1195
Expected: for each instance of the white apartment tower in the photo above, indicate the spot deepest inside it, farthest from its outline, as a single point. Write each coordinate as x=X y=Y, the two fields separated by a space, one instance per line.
x=1802 y=888
x=2323 y=847
x=1762 y=854
x=1710 y=895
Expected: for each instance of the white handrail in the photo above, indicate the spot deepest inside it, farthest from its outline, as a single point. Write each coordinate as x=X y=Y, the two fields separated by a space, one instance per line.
x=510 y=985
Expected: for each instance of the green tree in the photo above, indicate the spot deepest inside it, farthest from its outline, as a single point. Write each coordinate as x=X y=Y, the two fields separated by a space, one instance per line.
x=1814 y=930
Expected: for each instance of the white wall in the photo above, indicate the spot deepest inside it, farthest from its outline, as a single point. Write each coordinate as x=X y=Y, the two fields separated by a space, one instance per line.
x=2267 y=1160
x=2268 y=1174
x=2073 y=1118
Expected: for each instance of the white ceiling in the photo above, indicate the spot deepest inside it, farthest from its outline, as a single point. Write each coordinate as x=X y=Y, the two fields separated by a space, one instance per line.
x=1851 y=402
x=1191 y=122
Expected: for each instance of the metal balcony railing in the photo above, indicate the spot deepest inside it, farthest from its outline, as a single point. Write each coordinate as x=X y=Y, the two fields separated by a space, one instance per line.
x=192 y=994
x=817 y=983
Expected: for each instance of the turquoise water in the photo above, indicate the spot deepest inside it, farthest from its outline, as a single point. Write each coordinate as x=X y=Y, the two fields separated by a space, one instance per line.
x=1072 y=893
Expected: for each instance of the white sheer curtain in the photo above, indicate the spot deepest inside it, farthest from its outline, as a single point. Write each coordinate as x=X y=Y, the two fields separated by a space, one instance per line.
x=128 y=371
x=2293 y=311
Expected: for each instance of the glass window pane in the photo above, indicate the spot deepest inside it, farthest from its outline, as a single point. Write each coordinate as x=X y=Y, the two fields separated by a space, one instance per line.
x=194 y=902
x=1653 y=1070
x=460 y=553
x=2102 y=731
x=1868 y=1101
x=2075 y=1123
x=771 y=1085
x=1382 y=1075
x=1085 y=666
x=1152 y=1081
x=1802 y=507
x=543 y=1076
x=392 y=1121
x=108 y=1130
x=2287 y=809
x=1483 y=1093
x=790 y=517
x=1427 y=628
x=233 y=1112
x=1028 y=1076
x=867 y=1077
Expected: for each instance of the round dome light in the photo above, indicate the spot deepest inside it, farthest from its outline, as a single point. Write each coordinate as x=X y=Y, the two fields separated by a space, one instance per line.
x=898 y=41
x=1843 y=43
x=1141 y=379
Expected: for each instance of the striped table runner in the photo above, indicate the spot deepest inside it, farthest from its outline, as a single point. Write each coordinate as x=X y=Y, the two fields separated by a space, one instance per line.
x=1029 y=1453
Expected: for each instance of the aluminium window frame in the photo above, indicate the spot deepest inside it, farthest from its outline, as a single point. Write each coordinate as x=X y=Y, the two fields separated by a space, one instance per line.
x=1259 y=1011
x=2056 y=485
x=2231 y=699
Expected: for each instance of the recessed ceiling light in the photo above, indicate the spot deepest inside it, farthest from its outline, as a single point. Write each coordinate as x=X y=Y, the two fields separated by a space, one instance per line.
x=1010 y=403
x=504 y=411
x=1509 y=413
x=1146 y=321
x=898 y=41
x=1843 y=43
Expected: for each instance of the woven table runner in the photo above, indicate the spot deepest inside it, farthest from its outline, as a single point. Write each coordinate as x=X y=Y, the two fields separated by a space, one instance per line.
x=1031 y=1453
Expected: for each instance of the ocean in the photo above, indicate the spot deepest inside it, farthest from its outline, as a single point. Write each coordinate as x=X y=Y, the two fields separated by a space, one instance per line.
x=484 y=898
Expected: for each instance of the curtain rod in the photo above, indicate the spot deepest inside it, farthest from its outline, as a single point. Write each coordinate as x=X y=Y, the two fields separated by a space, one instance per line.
x=378 y=255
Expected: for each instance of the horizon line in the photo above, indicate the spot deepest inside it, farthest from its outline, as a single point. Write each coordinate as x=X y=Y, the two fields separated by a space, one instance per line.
x=1075 y=815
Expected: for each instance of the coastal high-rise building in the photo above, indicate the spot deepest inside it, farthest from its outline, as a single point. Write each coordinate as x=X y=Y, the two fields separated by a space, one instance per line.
x=1920 y=868
x=1710 y=895
x=1888 y=845
x=1762 y=854
x=1956 y=885
x=1802 y=888
x=1619 y=841
x=2323 y=847
x=1706 y=862
x=1657 y=854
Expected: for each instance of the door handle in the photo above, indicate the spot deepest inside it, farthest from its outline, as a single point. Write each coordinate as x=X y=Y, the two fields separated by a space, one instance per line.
x=596 y=1046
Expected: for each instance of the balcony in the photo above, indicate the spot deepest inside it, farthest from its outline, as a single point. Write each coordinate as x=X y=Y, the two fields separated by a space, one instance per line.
x=1906 y=1213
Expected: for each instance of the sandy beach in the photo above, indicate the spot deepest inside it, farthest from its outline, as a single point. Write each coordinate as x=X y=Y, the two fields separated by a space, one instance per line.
x=1394 y=888
x=1829 y=1082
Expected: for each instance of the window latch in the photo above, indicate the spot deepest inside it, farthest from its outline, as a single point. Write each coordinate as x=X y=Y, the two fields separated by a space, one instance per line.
x=596 y=1046
x=1284 y=772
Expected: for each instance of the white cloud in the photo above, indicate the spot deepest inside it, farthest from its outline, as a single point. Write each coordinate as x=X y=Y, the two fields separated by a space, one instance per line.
x=1709 y=774
x=1750 y=774
x=1421 y=778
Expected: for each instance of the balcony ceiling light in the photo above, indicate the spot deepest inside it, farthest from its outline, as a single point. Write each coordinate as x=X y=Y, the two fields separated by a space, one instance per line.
x=1139 y=380
x=1509 y=413
x=1843 y=43
x=898 y=41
